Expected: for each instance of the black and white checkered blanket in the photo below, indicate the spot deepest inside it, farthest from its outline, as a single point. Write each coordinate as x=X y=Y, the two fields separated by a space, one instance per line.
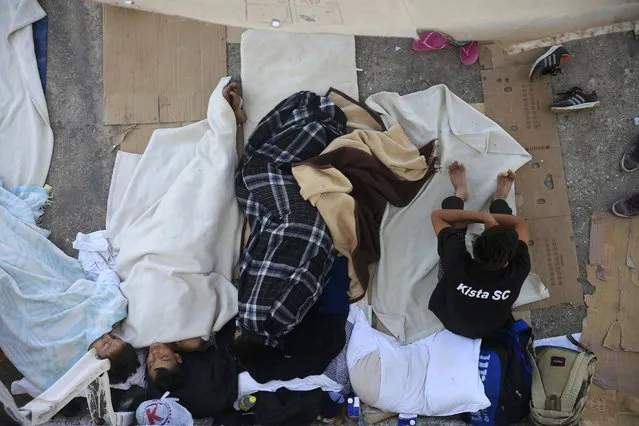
x=290 y=252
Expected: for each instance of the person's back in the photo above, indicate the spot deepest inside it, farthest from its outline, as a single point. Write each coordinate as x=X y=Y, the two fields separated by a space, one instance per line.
x=474 y=296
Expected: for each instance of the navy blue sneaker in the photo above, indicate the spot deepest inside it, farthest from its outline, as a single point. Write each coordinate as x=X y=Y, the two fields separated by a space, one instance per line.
x=575 y=99
x=549 y=62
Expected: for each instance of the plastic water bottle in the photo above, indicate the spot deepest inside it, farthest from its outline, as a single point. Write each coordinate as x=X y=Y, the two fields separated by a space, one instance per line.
x=352 y=407
x=247 y=402
x=407 y=420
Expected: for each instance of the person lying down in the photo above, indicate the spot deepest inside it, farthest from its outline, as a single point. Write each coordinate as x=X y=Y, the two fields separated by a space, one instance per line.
x=51 y=313
x=180 y=249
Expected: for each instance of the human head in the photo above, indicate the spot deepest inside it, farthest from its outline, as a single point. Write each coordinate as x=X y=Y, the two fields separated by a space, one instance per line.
x=495 y=247
x=124 y=360
x=163 y=367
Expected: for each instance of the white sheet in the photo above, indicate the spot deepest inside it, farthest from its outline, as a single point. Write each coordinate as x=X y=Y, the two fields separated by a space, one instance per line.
x=277 y=64
x=248 y=385
x=26 y=139
x=560 y=342
x=435 y=376
x=177 y=230
x=407 y=270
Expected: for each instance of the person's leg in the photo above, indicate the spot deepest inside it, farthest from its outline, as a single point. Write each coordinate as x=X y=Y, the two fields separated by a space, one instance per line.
x=505 y=182
x=627 y=207
x=457 y=173
x=630 y=158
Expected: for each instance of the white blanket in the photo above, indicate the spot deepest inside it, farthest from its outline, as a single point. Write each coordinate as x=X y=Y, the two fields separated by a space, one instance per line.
x=26 y=139
x=276 y=64
x=50 y=312
x=177 y=228
x=435 y=376
x=407 y=270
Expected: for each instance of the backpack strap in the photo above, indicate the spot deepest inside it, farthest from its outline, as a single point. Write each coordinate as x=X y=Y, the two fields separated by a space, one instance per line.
x=577 y=343
x=537 y=391
x=579 y=373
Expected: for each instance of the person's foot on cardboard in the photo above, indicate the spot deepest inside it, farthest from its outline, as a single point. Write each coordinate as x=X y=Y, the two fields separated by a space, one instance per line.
x=505 y=182
x=232 y=94
x=457 y=173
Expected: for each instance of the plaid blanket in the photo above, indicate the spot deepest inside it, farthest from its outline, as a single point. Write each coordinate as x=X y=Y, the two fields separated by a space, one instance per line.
x=290 y=252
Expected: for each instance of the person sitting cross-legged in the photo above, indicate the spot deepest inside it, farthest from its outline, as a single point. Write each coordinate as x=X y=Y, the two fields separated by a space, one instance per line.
x=474 y=295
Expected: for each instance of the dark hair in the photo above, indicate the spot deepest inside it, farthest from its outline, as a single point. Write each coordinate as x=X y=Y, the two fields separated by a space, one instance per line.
x=495 y=246
x=123 y=364
x=167 y=379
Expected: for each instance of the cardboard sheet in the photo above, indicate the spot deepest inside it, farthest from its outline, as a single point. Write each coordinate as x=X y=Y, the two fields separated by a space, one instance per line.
x=159 y=69
x=611 y=325
x=464 y=20
x=541 y=186
x=554 y=259
x=276 y=65
x=608 y=407
x=234 y=34
x=522 y=108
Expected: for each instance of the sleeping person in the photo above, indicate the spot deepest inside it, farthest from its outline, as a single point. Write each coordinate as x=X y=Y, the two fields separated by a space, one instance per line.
x=205 y=381
x=51 y=314
x=177 y=231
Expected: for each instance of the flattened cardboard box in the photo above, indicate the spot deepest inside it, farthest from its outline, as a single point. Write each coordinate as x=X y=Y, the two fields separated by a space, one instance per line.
x=554 y=259
x=159 y=69
x=521 y=107
x=541 y=186
x=607 y=407
x=610 y=327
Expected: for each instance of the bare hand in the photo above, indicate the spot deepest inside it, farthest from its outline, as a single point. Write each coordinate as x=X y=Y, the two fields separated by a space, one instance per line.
x=490 y=221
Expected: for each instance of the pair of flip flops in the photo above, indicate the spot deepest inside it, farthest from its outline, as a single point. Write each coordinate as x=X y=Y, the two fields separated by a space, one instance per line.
x=433 y=40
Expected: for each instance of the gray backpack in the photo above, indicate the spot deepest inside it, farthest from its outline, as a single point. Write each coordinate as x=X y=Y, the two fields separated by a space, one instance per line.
x=560 y=382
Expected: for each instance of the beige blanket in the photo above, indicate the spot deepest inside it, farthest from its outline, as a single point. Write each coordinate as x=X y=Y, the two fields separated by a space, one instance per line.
x=351 y=182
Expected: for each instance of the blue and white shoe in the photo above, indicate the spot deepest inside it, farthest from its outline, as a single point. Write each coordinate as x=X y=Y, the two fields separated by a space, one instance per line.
x=549 y=62
x=576 y=99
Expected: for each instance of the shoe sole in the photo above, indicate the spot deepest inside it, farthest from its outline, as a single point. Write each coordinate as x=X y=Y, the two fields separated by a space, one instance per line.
x=585 y=105
x=616 y=213
x=542 y=57
x=623 y=168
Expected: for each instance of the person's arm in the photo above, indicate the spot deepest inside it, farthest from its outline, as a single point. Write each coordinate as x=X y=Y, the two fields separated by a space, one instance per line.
x=458 y=219
x=516 y=222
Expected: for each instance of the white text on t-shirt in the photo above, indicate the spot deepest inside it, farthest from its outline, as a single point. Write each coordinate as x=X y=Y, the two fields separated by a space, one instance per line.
x=483 y=294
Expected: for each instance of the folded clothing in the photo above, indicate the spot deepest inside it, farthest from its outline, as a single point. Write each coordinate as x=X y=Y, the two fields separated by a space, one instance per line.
x=434 y=376
x=289 y=253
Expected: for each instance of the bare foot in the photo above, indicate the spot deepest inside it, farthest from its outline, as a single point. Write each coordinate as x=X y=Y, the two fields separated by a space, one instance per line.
x=232 y=94
x=457 y=173
x=504 y=184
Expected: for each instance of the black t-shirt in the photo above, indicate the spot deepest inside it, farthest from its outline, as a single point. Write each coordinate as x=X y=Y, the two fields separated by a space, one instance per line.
x=469 y=300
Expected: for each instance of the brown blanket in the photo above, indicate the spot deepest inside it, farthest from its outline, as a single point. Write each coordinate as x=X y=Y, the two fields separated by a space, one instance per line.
x=350 y=183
